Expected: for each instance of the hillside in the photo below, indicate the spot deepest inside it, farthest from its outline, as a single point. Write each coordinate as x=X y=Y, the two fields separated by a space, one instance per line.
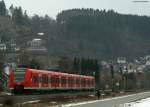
x=80 y=32
x=103 y=34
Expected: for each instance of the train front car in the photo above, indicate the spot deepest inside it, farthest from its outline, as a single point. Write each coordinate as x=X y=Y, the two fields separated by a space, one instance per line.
x=17 y=80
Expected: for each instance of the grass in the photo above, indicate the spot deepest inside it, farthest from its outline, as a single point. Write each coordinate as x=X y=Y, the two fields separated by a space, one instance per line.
x=47 y=102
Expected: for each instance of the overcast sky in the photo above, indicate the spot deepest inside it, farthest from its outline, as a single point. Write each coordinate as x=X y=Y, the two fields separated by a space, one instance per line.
x=53 y=7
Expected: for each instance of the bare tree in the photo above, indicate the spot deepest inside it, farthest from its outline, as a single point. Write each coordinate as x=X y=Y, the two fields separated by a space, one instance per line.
x=2 y=61
x=65 y=64
x=24 y=58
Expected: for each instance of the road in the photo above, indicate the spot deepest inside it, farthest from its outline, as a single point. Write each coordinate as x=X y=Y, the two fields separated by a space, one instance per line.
x=115 y=102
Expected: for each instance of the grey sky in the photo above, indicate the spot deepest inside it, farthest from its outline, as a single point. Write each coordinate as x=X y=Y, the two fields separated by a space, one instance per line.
x=52 y=7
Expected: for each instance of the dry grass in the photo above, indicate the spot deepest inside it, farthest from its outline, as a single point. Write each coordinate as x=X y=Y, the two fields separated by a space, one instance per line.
x=47 y=102
x=8 y=102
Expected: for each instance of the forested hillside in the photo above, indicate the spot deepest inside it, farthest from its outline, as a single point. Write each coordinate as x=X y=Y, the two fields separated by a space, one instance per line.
x=79 y=32
x=105 y=33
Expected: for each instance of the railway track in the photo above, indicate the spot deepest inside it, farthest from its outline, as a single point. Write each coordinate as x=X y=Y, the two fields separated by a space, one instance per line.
x=21 y=99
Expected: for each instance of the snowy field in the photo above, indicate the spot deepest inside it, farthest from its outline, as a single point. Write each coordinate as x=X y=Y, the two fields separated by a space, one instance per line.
x=139 y=103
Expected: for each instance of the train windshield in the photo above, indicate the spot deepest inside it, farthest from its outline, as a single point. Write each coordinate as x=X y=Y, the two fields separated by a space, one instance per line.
x=19 y=74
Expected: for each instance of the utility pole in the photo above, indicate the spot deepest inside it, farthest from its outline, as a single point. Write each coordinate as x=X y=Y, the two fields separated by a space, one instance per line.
x=121 y=81
x=96 y=74
x=112 y=76
x=125 y=78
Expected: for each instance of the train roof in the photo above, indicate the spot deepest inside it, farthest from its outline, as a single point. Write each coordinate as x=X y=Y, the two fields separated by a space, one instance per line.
x=58 y=73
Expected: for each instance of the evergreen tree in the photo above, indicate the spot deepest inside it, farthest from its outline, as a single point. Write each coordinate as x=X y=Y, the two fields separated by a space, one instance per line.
x=34 y=64
x=3 y=10
x=82 y=66
x=26 y=18
x=17 y=16
x=97 y=75
x=76 y=65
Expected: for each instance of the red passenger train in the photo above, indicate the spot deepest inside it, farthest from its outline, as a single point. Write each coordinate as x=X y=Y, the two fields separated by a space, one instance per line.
x=25 y=80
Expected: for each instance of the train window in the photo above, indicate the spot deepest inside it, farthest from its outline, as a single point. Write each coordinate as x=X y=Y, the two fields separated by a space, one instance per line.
x=44 y=79
x=63 y=81
x=55 y=80
x=92 y=82
x=49 y=79
x=77 y=81
x=35 y=79
x=83 y=82
x=52 y=80
x=88 y=82
x=71 y=81
x=40 y=79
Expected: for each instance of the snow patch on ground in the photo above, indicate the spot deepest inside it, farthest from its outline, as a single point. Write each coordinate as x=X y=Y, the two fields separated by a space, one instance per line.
x=75 y=104
x=5 y=93
x=121 y=105
x=140 y=103
x=30 y=102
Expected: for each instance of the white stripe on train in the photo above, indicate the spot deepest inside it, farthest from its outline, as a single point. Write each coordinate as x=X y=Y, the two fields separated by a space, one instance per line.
x=55 y=88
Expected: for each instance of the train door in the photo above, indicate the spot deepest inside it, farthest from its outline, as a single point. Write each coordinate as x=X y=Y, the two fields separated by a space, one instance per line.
x=55 y=81
x=90 y=83
x=71 y=82
x=49 y=81
x=82 y=82
x=86 y=82
x=39 y=78
x=63 y=82
x=52 y=81
x=35 y=80
x=67 y=81
x=77 y=82
x=93 y=82
x=44 y=80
